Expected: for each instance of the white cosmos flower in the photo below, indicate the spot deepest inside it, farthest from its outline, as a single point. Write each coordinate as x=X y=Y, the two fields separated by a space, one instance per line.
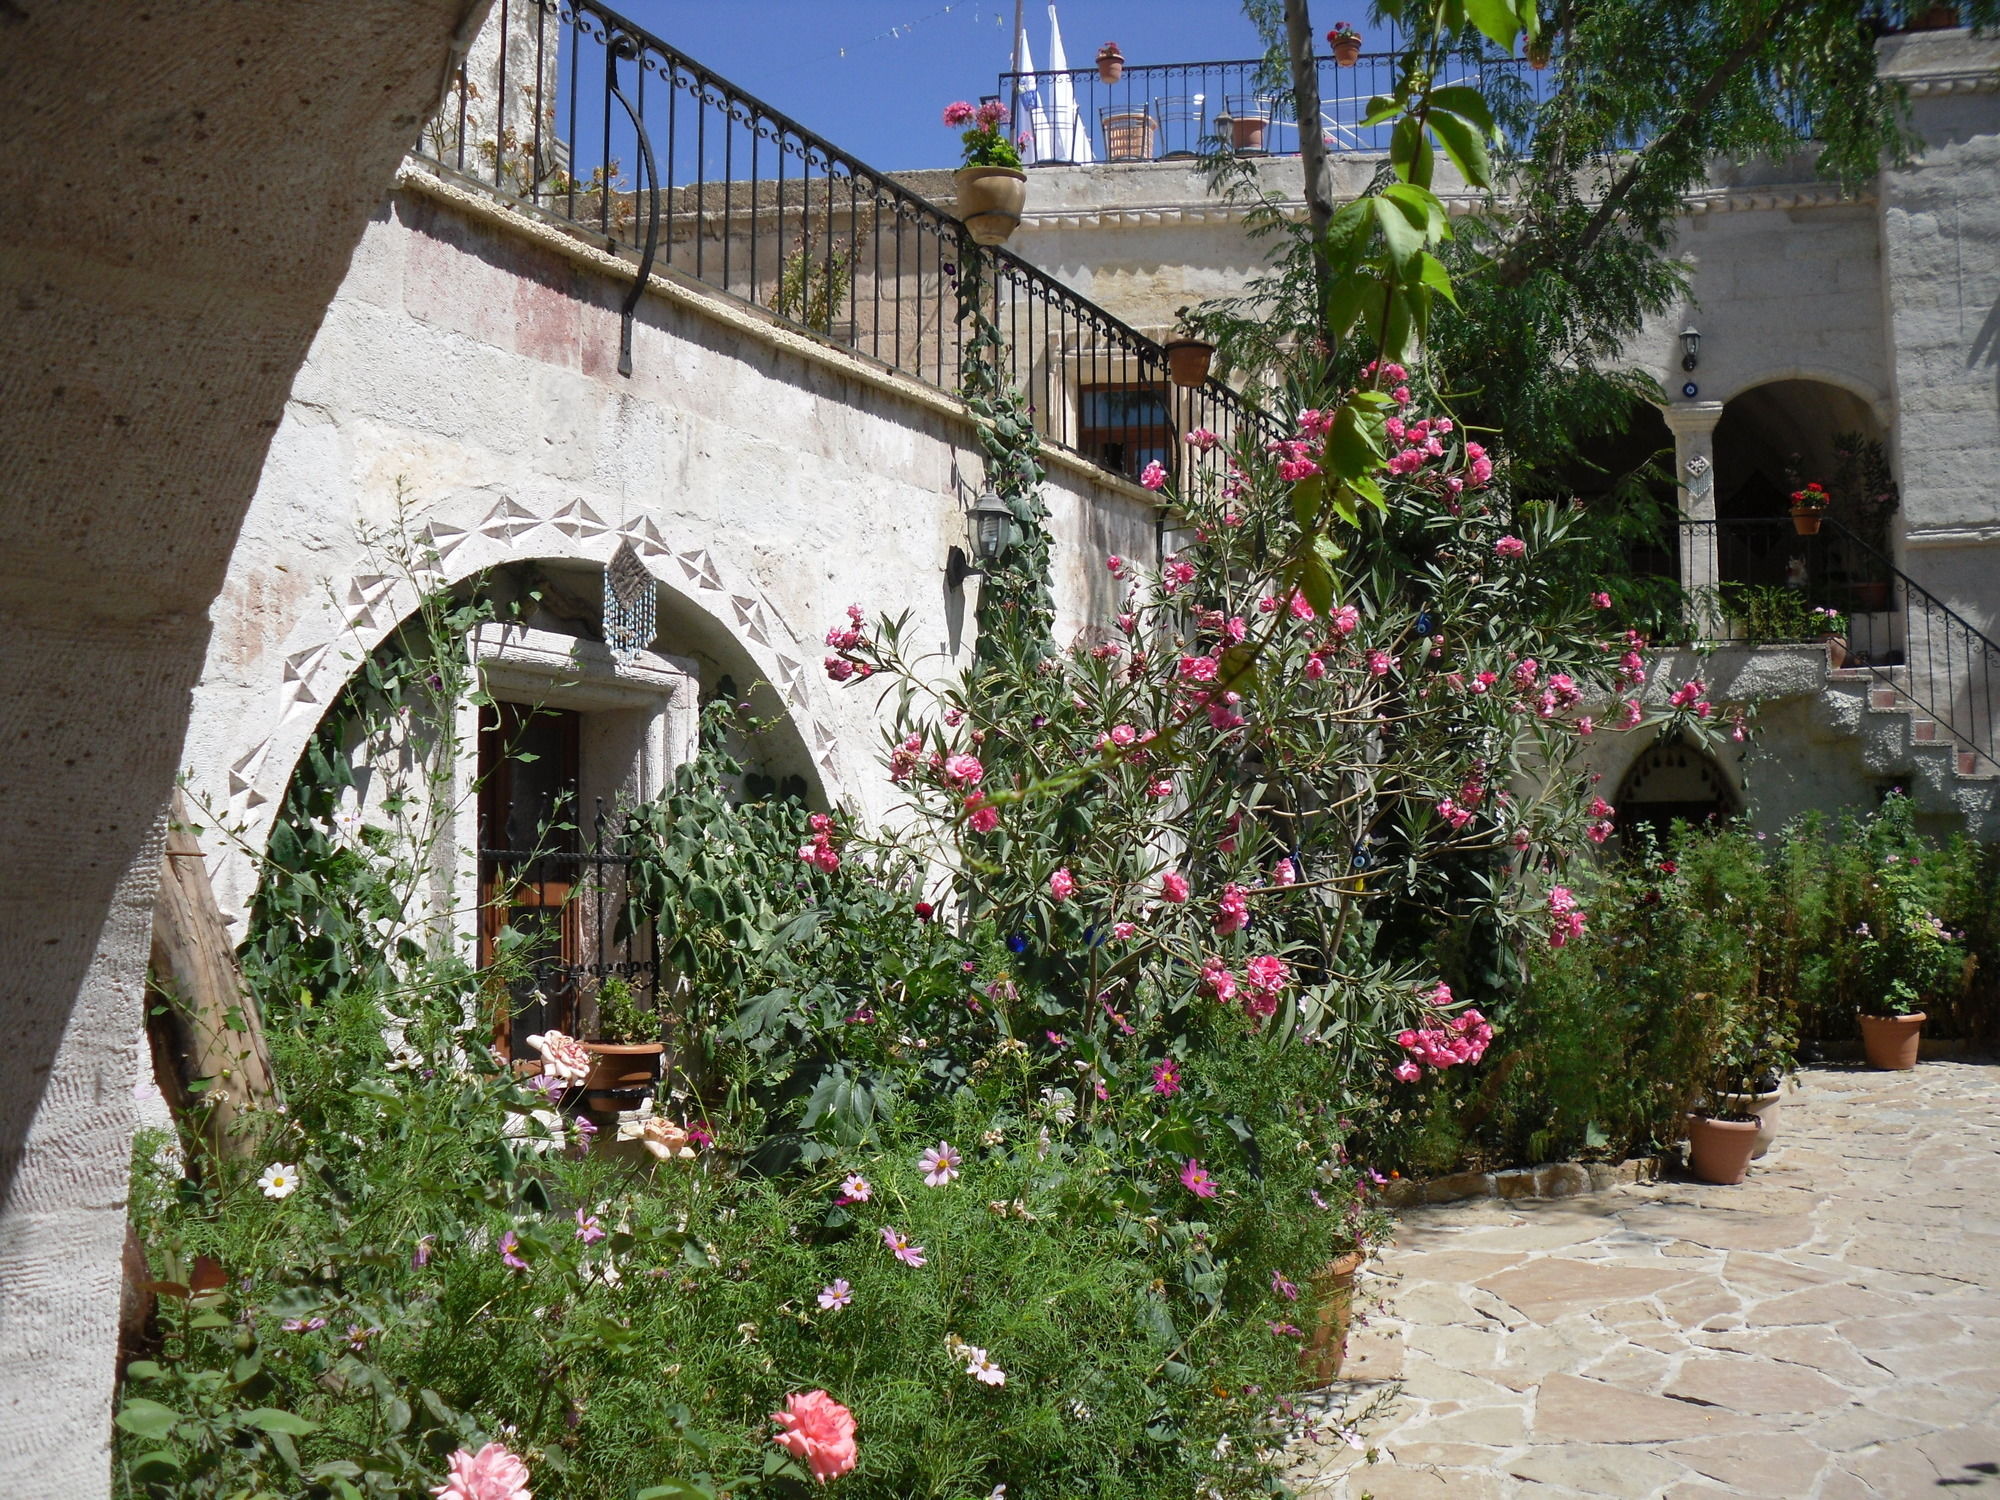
x=279 y=1180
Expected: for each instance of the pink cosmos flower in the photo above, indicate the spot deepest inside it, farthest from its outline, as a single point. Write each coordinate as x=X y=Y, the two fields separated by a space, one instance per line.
x=819 y=1432
x=963 y=770
x=1286 y=1289
x=939 y=1164
x=1166 y=1078
x=1195 y=1178
x=492 y=1473
x=900 y=1247
x=1153 y=476
x=836 y=1294
x=958 y=113
x=589 y=1228
x=1174 y=886
x=509 y=1243
x=856 y=1189
x=1062 y=885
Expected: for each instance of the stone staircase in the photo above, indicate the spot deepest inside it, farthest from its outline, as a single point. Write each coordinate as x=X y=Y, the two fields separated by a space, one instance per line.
x=1897 y=738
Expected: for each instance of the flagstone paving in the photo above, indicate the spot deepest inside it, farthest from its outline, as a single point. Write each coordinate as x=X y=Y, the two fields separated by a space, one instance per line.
x=1828 y=1330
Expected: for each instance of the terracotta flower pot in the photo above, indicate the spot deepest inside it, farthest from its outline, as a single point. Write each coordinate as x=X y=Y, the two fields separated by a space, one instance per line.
x=1246 y=132
x=1347 y=49
x=1890 y=1042
x=1719 y=1150
x=1836 y=651
x=1538 y=55
x=1764 y=1107
x=1128 y=135
x=990 y=200
x=1111 y=69
x=1326 y=1344
x=1807 y=522
x=1187 y=361
x=620 y=1067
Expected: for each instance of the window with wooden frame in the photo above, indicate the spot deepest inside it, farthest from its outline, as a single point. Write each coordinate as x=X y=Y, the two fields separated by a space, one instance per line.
x=530 y=865
x=1126 y=425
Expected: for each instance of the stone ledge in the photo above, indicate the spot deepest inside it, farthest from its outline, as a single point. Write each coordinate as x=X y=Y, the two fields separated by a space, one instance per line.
x=1562 y=1179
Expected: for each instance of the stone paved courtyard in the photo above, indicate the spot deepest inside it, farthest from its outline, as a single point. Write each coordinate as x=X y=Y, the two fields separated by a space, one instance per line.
x=1828 y=1329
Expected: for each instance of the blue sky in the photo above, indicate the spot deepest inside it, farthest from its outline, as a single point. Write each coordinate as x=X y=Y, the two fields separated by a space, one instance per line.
x=872 y=75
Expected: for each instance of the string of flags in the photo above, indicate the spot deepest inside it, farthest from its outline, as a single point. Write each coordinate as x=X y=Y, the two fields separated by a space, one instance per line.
x=904 y=28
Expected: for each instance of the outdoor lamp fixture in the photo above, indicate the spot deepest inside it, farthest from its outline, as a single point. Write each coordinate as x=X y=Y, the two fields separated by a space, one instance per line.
x=992 y=534
x=1691 y=341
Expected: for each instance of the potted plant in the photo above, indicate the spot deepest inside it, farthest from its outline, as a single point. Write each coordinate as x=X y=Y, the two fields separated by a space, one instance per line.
x=1759 y=1048
x=1110 y=63
x=1905 y=958
x=1333 y=1295
x=992 y=188
x=1832 y=626
x=1539 y=53
x=1346 y=44
x=625 y=1058
x=1248 y=117
x=1188 y=355
x=1808 y=505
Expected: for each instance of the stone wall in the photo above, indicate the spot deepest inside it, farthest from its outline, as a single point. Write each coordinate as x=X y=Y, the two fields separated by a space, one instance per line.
x=184 y=186
x=463 y=389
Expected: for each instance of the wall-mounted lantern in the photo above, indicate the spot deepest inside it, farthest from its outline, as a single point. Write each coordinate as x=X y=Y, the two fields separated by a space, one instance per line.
x=992 y=527
x=1691 y=342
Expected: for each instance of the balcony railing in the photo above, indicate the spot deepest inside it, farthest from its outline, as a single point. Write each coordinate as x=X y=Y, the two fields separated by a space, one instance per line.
x=1758 y=581
x=1171 y=111
x=567 y=106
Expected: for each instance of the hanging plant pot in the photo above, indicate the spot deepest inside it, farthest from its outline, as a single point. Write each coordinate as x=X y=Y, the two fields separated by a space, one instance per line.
x=1346 y=47
x=1719 y=1150
x=1188 y=360
x=1110 y=66
x=990 y=200
x=1807 y=522
x=1326 y=1345
x=1890 y=1042
x=1538 y=54
x=621 y=1068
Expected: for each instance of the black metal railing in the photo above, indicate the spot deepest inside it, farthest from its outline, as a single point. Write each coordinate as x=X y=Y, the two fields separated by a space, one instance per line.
x=567 y=106
x=1169 y=111
x=1761 y=581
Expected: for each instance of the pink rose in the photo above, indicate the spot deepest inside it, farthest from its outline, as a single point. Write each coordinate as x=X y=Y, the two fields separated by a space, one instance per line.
x=490 y=1474
x=818 y=1431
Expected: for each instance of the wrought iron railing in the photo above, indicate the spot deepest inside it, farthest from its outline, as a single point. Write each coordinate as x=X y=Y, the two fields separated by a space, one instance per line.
x=567 y=106
x=1168 y=111
x=1758 y=581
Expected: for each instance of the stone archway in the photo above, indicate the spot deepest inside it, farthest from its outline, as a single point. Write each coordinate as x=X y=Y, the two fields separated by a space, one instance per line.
x=1672 y=781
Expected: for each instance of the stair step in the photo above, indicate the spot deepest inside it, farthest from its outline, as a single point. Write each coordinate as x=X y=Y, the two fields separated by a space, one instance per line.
x=1923 y=730
x=1883 y=698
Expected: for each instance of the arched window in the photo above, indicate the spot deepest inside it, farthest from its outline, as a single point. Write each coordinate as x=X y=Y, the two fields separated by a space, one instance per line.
x=1673 y=781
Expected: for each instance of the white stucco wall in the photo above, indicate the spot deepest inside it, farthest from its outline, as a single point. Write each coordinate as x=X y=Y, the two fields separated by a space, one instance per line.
x=766 y=480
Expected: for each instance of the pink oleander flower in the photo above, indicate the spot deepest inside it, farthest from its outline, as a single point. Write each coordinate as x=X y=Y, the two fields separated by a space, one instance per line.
x=958 y=113
x=1195 y=1178
x=1585 y=725
x=1345 y=620
x=1220 y=981
x=819 y=1432
x=1124 y=736
x=835 y=1295
x=1633 y=714
x=1201 y=439
x=1291 y=470
x=1284 y=872
x=563 y=1056
x=1153 y=476
x=1232 y=910
x=1166 y=1078
x=492 y=1473
x=981 y=814
x=1174 y=887
x=839 y=668
x=1300 y=609
x=1686 y=693
x=963 y=770
x=1062 y=885
x=1199 y=668
x=1124 y=931
x=1408 y=1071
x=1381 y=663
x=939 y=1164
x=1268 y=974
x=589 y=1228
x=1174 y=573
x=899 y=1246
x=1600 y=600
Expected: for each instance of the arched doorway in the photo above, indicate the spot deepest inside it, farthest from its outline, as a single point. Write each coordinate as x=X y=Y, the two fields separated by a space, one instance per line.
x=1775 y=438
x=1672 y=782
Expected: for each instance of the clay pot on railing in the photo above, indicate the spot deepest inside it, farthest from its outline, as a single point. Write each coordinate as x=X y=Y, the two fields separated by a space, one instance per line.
x=1110 y=63
x=1538 y=54
x=1891 y=1042
x=1188 y=361
x=1806 y=522
x=1719 y=1150
x=1346 y=44
x=1326 y=1344
x=990 y=200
